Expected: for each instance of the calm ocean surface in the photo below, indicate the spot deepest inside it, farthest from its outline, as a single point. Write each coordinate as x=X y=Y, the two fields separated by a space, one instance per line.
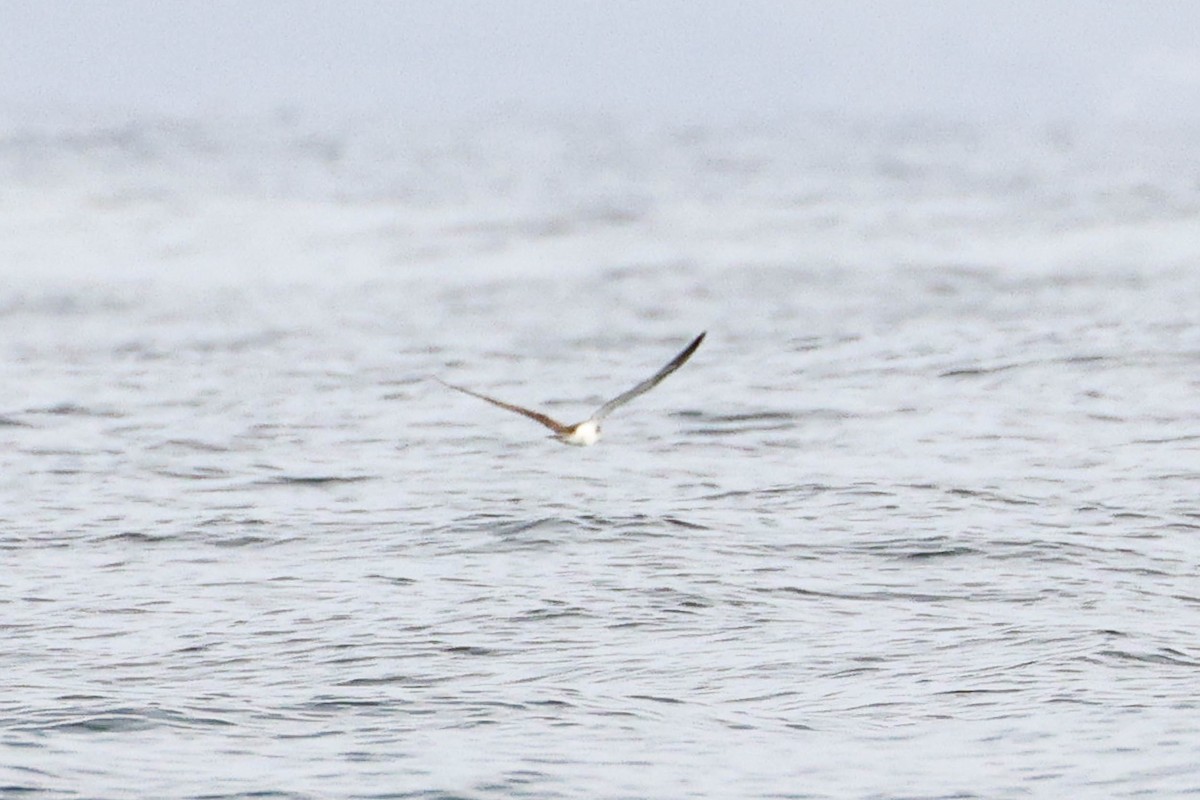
x=920 y=519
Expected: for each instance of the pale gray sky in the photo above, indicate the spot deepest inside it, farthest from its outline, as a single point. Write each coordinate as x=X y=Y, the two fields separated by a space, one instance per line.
x=697 y=59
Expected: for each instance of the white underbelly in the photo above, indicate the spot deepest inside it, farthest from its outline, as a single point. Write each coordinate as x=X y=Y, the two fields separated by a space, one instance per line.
x=583 y=435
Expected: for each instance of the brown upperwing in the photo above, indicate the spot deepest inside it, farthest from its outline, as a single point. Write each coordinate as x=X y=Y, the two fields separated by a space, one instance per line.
x=648 y=384
x=537 y=416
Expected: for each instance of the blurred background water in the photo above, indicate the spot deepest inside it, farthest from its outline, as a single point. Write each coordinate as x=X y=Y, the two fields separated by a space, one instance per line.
x=918 y=519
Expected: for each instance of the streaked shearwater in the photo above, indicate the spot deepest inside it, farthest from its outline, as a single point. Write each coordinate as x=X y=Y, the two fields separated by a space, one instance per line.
x=588 y=432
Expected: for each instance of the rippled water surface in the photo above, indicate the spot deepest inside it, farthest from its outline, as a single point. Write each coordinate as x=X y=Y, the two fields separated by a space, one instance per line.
x=919 y=519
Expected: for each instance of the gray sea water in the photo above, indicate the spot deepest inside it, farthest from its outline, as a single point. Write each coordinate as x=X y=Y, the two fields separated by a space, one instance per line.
x=919 y=519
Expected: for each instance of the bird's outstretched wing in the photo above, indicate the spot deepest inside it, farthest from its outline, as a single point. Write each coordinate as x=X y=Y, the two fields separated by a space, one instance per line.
x=537 y=416
x=650 y=382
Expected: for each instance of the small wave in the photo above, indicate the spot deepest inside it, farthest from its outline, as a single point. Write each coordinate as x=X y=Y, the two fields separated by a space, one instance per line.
x=755 y=416
x=384 y=680
x=937 y=552
x=1187 y=437
x=244 y=541
x=683 y=523
x=139 y=537
x=76 y=410
x=195 y=473
x=326 y=704
x=395 y=580
x=919 y=597
x=18 y=790
x=471 y=650
x=657 y=699
x=993 y=369
x=553 y=610
x=736 y=424
x=786 y=490
x=315 y=480
x=984 y=494
x=1167 y=656
x=124 y=720
x=524 y=532
x=105 y=723
x=524 y=526
x=189 y=445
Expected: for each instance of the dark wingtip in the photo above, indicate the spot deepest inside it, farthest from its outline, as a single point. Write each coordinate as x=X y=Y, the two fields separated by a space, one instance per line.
x=449 y=385
x=686 y=353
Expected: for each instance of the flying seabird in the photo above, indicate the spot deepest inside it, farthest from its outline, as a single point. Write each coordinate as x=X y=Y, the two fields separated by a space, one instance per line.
x=588 y=432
